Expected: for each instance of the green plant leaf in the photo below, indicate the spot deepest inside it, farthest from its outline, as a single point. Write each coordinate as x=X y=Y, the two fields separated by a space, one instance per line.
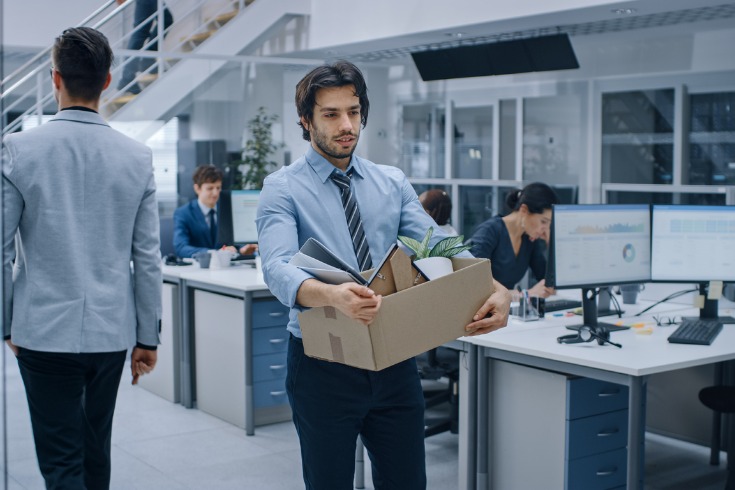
x=449 y=247
x=425 y=250
x=414 y=245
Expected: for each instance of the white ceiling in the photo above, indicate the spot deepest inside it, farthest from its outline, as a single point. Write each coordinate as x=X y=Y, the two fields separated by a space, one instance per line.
x=647 y=17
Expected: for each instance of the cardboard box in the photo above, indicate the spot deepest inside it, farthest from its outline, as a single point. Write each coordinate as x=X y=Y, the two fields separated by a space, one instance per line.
x=410 y=321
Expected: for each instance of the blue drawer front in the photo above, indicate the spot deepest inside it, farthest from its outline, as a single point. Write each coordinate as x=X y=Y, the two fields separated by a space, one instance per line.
x=598 y=434
x=269 y=313
x=270 y=393
x=586 y=396
x=270 y=340
x=601 y=471
x=269 y=367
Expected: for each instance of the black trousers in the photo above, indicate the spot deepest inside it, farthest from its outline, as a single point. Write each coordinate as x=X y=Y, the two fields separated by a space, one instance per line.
x=71 y=398
x=332 y=404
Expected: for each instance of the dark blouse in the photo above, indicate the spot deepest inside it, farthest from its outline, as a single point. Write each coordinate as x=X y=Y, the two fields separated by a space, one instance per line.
x=492 y=241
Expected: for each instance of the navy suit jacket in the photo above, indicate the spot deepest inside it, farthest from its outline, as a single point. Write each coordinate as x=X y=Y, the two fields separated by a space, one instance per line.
x=191 y=231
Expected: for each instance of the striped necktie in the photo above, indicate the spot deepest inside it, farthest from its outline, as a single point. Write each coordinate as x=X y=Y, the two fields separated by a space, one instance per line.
x=354 y=223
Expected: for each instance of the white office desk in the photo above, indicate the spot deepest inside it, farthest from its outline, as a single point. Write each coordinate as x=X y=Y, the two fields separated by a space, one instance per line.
x=641 y=356
x=171 y=378
x=217 y=343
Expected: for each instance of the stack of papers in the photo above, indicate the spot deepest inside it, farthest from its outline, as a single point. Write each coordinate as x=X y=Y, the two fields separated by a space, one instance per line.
x=320 y=262
x=395 y=271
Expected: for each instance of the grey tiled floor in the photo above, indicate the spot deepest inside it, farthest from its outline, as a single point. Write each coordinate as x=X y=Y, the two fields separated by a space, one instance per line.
x=162 y=446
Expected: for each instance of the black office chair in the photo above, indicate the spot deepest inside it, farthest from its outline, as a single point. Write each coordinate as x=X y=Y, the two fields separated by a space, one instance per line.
x=166 y=228
x=442 y=364
x=721 y=399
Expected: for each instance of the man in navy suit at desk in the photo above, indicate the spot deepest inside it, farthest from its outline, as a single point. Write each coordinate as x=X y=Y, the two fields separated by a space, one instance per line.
x=196 y=223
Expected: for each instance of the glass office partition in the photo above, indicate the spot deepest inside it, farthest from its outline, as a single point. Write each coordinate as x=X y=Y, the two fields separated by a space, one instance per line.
x=473 y=142
x=479 y=203
x=419 y=188
x=507 y=150
x=712 y=139
x=3 y=390
x=553 y=142
x=3 y=354
x=622 y=197
x=638 y=136
x=680 y=194
x=423 y=142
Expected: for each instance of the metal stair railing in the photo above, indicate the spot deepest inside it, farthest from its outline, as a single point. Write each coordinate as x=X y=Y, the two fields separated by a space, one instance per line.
x=28 y=90
x=111 y=101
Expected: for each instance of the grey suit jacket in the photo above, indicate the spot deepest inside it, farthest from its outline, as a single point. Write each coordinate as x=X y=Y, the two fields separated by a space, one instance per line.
x=79 y=205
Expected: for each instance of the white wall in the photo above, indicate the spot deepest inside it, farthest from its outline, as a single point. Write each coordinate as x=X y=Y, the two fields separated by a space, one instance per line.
x=35 y=23
x=335 y=23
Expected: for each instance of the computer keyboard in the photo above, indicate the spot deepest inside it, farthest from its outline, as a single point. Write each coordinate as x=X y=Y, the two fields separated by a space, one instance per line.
x=700 y=332
x=561 y=304
x=242 y=257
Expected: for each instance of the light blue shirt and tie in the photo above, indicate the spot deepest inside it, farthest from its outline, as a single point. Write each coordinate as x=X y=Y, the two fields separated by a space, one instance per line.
x=301 y=201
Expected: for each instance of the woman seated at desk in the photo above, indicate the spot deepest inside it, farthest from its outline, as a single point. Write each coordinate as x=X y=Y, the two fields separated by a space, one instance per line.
x=511 y=241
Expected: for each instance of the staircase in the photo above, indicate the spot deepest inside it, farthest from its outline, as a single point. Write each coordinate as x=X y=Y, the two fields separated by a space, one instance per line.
x=249 y=28
x=205 y=35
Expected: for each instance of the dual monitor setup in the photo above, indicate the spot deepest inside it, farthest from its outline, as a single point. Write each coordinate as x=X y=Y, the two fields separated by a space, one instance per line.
x=599 y=245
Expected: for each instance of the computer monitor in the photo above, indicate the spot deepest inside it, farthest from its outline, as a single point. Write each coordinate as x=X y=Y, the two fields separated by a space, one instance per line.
x=593 y=246
x=244 y=209
x=694 y=244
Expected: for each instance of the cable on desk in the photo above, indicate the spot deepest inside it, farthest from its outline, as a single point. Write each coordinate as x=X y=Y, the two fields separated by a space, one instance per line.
x=671 y=296
x=618 y=309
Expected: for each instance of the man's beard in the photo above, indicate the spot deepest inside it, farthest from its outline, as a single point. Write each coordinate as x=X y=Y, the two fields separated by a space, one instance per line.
x=322 y=142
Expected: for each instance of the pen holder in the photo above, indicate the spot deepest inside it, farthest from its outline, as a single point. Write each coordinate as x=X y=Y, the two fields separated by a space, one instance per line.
x=525 y=311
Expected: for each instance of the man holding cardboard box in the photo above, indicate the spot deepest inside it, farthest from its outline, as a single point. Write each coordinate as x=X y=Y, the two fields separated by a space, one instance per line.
x=356 y=209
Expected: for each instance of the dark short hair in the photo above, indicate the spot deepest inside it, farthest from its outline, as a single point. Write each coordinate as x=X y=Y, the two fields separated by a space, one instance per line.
x=536 y=196
x=207 y=174
x=83 y=57
x=437 y=204
x=338 y=74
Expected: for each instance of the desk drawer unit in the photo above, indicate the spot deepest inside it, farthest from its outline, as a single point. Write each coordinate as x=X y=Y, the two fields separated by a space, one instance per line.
x=269 y=313
x=220 y=352
x=596 y=434
x=270 y=345
x=575 y=438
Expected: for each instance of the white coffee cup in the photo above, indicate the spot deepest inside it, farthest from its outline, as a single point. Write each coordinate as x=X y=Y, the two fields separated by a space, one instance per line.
x=220 y=259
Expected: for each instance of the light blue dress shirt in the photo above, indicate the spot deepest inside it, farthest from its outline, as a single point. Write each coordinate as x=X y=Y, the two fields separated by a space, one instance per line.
x=300 y=201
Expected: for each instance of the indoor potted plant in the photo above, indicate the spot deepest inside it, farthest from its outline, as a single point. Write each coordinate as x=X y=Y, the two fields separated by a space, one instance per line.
x=435 y=261
x=256 y=162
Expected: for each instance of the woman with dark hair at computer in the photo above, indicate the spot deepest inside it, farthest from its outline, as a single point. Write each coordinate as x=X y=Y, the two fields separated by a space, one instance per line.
x=438 y=205
x=511 y=242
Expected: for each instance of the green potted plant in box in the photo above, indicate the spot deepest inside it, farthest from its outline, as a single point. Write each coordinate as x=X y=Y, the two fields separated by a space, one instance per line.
x=435 y=261
x=256 y=162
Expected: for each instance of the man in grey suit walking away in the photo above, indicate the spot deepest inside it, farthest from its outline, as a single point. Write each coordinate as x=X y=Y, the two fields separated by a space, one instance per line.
x=79 y=204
